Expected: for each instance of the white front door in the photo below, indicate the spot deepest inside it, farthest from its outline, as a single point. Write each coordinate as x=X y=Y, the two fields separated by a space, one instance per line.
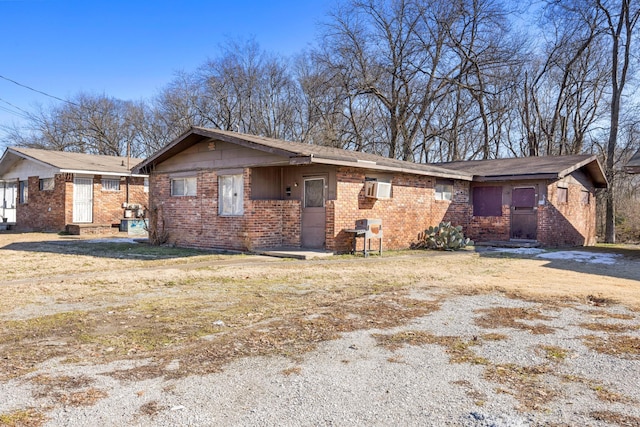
x=8 y=208
x=82 y=200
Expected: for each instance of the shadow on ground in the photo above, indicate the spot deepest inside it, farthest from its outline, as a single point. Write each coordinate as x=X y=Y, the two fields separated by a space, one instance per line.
x=625 y=260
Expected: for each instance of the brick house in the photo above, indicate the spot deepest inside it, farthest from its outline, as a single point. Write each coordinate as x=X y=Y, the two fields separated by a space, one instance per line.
x=46 y=190
x=212 y=188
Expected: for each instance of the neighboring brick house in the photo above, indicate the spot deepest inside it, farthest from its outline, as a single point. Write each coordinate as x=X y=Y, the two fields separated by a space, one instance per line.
x=46 y=190
x=220 y=189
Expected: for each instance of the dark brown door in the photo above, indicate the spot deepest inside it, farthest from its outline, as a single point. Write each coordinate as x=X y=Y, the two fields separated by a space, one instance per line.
x=313 y=213
x=524 y=213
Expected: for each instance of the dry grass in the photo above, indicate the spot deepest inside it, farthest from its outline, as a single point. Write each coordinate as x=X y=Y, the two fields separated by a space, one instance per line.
x=609 y=327
x=459 y=350
x=29 y=417
x=508 y=317
x=95 y=303
x=525 y=383
x=602 y=392
x=554 y=353
x=615 y=418
x=624 y=346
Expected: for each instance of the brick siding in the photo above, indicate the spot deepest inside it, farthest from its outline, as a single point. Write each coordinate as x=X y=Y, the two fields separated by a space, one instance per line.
x=52 y=210
x=194 y=220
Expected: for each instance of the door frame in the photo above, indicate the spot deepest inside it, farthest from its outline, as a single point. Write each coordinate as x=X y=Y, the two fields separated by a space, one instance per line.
x=316 y=215
x=532 y=212
x=76 y=217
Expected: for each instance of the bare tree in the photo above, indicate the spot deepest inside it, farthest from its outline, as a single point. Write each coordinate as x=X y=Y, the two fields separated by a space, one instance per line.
x=621 y=20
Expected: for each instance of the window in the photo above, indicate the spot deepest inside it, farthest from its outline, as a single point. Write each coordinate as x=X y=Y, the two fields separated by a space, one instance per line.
x=231 y=195
x=24 y=192
x=146 y=185
x=487 y=201
x=110 y=184
x=444 y=190
x=184 y=186
x=563 y=195
x=46 y=184
x=585 y=197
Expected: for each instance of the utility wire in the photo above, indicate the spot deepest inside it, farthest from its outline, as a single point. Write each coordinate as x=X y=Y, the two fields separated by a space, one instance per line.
x=38 y=91
x=20 y=113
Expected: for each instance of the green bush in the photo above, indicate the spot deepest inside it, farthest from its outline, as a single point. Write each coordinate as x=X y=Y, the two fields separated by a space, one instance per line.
x=443 y=237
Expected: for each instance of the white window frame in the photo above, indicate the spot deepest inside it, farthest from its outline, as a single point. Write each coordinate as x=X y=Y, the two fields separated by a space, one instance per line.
x=441 y=192
x=231 y=195
x=110 y=184
x=189 y=186
x=46 y=184
x=23 y=192
x=146 y=184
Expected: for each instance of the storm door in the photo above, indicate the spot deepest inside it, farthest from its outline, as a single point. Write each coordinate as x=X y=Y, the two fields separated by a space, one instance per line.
x=524 y=213
x=10 y=193
x=313 y=213
x=82 y=200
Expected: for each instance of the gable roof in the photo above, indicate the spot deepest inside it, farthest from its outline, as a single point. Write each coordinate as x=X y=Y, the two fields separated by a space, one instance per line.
x=68 y=162
x=297 y=153
x=633 y=166
x=544 y=167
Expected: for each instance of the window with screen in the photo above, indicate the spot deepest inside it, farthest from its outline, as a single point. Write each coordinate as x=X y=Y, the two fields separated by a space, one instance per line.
x=563 y=195
x=184 y=186
x=444 y=190
x=231 y=195
x=110 y=184
x=46 y=184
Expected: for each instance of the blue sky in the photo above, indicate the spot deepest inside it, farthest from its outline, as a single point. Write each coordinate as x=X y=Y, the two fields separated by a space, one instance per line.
x=131 y=49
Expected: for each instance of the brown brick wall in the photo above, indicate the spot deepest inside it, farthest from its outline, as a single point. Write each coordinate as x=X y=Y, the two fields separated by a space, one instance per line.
x=410 y=211
x=44 y=210
x=567 y=224
x=194 y=220
x=52 y=210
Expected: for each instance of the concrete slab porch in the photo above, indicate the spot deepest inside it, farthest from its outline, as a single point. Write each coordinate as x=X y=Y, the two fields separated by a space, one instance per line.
x=295 y=253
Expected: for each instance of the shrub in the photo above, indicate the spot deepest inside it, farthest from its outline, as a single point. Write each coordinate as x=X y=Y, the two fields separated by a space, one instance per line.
x=443 y=237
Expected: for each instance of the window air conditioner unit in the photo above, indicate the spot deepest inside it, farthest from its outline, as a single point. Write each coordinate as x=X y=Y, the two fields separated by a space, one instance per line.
x=377 y=190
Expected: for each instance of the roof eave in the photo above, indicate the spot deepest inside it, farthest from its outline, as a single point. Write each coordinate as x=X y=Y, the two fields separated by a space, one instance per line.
x=305 y=160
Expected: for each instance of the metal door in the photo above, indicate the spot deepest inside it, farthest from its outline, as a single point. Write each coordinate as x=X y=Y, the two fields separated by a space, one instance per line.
x=524 y=213
x=10 y=194
x=313 y=213
x=83 y=200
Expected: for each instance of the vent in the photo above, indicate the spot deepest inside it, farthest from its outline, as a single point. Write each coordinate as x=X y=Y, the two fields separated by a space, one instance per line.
x=377 y=190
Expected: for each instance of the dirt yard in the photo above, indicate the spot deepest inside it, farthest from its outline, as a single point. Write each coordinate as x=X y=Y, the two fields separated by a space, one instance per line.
x=66 y=301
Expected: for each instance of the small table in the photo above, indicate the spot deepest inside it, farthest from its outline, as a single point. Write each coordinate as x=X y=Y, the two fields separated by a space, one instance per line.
x=366 y=248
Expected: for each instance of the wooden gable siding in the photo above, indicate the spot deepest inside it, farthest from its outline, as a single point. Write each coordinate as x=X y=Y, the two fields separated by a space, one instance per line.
x=218 y=155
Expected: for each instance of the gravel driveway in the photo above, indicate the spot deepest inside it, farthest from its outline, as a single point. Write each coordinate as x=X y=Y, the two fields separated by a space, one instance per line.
x=573 y=364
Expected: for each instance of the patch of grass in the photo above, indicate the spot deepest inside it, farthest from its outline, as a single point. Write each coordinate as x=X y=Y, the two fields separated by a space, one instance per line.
x=554 y=353
x=294 y=370
x=525 y=383
x=23 y=418
x=479 y=398
x=150 y=409
x=87 y=397
x=48 y=385
x=606 y=314
x=600 y=301
x=510 y=317
x=615 y=418
x=459 y=351
x=492 y=336
x=291 y=335
x=609 y=327
x=624 y=346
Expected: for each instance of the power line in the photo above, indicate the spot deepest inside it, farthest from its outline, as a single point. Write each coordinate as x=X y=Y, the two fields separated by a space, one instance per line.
x=38 y=91
x=20 y=113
